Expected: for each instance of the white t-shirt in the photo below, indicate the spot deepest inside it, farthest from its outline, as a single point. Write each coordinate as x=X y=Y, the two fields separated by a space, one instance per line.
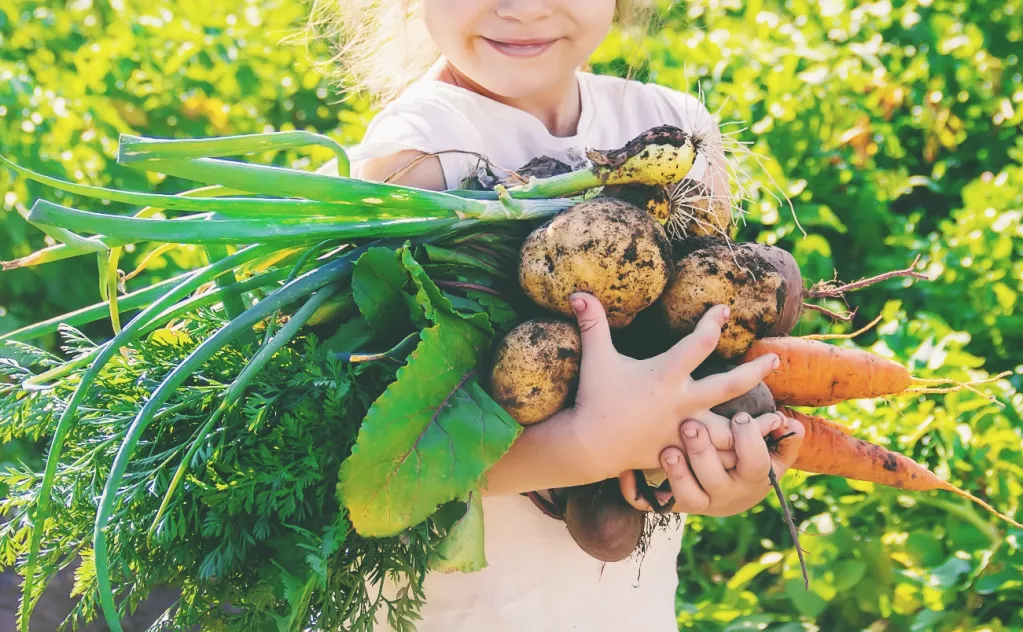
x=537 y=579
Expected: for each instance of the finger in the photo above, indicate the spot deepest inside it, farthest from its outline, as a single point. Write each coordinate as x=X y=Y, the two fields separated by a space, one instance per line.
x=787 y=450
x=719 y=429
x=630 y=491
x=704 y=460
x=593 y=327
x=689 y=496
x=754 y=460
x=721 y=387
x=728 y=459
x=691 y=351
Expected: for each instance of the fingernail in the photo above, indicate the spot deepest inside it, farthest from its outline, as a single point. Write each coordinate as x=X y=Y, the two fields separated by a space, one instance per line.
x=578 y=304
x=776 y=362
x=726 y=312
x=742 y=418
x=690 y=432
x=672 y=458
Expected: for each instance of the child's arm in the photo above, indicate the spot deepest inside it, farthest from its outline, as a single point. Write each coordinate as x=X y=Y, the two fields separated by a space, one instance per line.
x=425 y=171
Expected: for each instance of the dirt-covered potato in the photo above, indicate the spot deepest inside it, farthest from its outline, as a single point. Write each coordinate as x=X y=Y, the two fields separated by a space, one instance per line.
x=601 y=522
x=603 y=246
x=536 y=369
x=757 y=282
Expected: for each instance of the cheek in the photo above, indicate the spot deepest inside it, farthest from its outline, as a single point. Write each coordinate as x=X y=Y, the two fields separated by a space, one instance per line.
x=448 y=20
x=593 y=19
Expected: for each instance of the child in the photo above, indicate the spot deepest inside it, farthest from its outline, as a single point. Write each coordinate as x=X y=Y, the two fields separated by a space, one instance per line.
x=500 y=79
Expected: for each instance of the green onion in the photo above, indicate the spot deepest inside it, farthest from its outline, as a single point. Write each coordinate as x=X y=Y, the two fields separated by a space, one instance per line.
x=338 y=196
x=190 y=305
x=139 y=149
x=292 y=230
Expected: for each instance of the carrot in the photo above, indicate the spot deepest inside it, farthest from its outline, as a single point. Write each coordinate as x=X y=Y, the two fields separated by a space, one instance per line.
x=814 y=373
x=830 y=448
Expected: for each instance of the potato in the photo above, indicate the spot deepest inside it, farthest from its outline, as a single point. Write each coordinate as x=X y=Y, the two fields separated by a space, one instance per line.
x=603 y=246
x=761 y=285
x=601 y=522
x=536 y=369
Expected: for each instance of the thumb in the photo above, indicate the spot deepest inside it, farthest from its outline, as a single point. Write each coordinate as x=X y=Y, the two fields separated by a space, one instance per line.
x=593 y=327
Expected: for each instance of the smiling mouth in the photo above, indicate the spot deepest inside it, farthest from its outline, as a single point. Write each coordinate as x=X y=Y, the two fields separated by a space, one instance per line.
x=520 y=49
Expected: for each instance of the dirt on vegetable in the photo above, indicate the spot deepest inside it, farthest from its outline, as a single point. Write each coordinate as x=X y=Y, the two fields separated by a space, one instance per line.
x=536 y=369
x=715 y=272
x=603 y=246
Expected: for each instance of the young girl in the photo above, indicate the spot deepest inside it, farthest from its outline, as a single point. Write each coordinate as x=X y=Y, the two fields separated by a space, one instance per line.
x=500 y=79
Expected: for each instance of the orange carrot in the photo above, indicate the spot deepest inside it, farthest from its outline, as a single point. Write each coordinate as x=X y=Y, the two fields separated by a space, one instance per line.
x=814 y=373
x=830 y=448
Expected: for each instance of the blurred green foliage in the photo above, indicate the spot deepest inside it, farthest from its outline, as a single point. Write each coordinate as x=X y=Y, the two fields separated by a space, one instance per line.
x=893 y=128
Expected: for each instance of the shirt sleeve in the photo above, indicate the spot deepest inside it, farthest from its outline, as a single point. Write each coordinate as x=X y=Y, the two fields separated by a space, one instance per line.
x=425 y=124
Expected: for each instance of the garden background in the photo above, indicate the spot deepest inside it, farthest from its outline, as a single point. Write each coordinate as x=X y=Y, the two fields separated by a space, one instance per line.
x=894 y=128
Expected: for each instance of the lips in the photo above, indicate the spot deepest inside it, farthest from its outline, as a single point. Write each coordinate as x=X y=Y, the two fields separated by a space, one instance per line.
x=520 y=48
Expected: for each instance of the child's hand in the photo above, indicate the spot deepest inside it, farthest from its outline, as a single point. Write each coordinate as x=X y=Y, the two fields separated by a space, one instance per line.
x=627 y=410
x=704 y=485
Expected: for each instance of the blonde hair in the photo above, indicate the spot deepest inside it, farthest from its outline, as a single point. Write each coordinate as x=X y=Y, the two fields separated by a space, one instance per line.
x=379 y=47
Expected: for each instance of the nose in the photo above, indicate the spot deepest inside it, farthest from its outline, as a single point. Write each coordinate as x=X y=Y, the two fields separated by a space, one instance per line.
x=525 y=10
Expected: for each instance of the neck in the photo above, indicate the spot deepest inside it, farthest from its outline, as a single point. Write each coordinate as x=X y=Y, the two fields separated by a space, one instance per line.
x=558 y=108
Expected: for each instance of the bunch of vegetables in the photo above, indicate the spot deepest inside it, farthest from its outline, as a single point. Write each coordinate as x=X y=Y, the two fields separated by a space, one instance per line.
x=312 y=412
x=660 y=290
x=257 y=433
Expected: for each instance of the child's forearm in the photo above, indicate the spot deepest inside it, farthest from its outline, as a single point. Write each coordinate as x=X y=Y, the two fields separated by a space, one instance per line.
x=545 y=456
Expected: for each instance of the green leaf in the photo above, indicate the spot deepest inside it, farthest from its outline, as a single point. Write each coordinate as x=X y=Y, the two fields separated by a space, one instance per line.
x=428 y=300
x=461 y=549
x=807 y=602
x=437 y=254
x=431 y=435
x=948 y=574
x=999 y=581
x=378 y=283
x=351 y=336
x=501 y=313
x=848 y=573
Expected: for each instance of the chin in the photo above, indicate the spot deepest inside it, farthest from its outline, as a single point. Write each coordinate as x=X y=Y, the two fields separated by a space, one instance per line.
x=520 y=84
